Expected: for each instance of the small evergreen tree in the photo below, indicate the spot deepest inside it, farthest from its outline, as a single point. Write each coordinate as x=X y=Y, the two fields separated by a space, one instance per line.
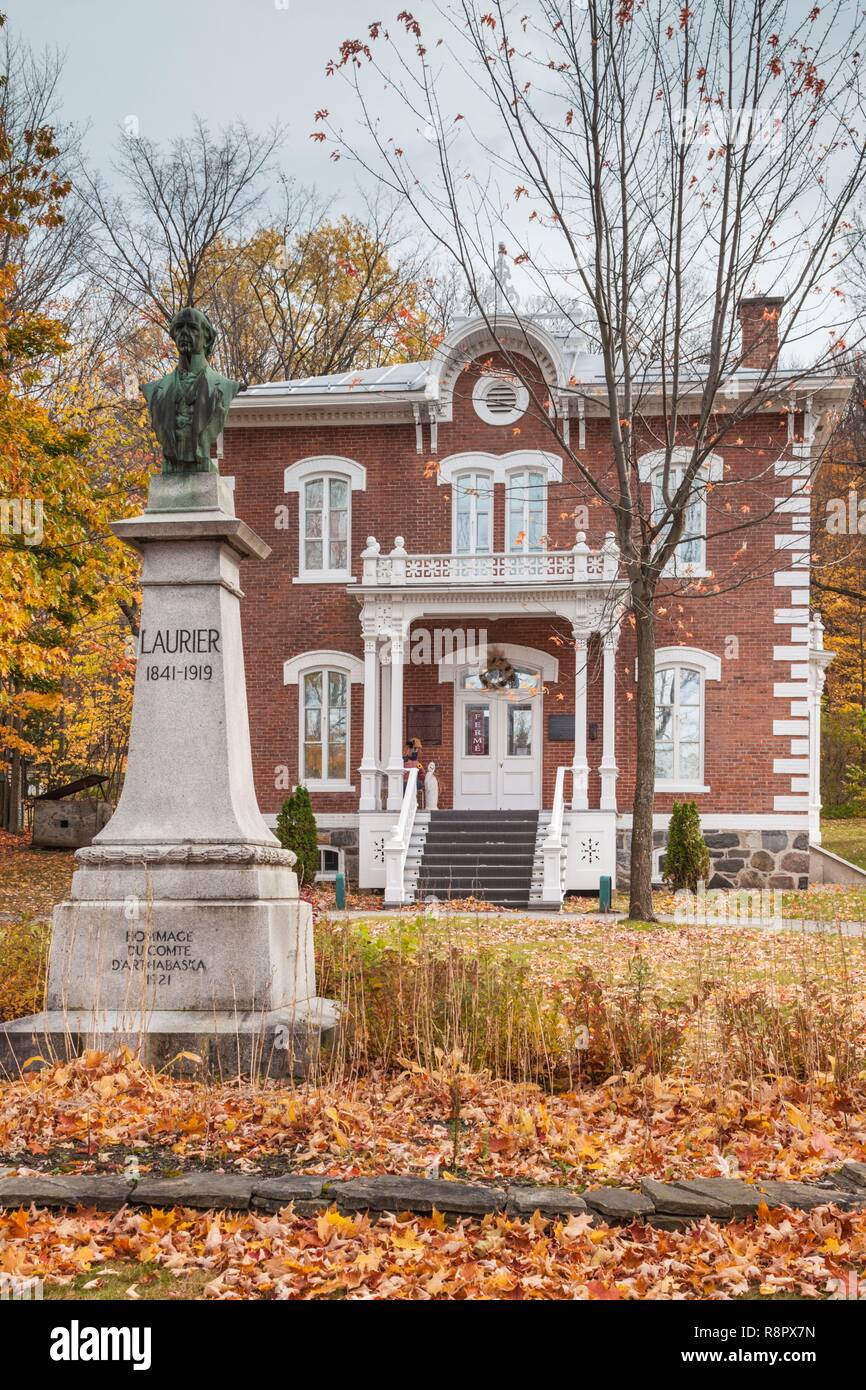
x=296 y=830
x=687 y=859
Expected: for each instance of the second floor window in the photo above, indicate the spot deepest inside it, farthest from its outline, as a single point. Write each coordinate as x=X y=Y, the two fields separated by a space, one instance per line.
x=325 y=526
x=691 y=553
x=473 y=513
x=526 y=510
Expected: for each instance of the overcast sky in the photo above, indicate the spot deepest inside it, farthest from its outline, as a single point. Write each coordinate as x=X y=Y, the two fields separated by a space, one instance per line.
x=167 y=60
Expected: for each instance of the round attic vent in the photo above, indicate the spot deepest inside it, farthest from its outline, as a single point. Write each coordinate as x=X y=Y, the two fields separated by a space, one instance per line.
x=499 y=400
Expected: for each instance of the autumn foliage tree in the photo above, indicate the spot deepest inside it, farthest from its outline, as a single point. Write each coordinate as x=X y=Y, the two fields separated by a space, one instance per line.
x=58 y=563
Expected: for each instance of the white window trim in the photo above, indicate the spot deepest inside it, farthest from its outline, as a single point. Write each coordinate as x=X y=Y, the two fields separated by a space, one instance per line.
x=710 y=668
x=711 y=471
x=500 y=465
x=509 y=482
x=479 y=398
x=295 y=478
x=294 y=671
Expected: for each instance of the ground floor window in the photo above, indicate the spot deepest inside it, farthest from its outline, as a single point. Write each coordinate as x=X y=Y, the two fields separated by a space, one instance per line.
x=325 y=726
x=679 y=725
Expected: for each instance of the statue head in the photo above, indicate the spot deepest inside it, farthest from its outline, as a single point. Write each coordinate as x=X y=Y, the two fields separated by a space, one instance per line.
x=193 y=332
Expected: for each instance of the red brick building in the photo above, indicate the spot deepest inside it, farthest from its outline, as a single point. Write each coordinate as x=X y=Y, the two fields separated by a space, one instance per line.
x=427 y=579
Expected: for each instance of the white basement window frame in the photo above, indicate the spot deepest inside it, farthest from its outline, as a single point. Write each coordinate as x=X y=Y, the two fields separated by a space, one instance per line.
x=681 y=674
x=324 y=680
x=324 y=485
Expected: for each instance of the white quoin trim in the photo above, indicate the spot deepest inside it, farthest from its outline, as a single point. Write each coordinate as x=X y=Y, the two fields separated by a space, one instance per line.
x=499 y=465
x=710 y=665
x=711 y=470
x=315 y=661
x=296 y=474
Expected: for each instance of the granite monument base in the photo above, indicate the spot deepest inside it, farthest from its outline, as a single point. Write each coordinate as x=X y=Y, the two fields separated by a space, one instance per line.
x=281 y=1044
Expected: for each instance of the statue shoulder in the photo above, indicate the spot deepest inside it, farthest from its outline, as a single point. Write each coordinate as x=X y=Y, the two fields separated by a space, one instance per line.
x=150 y=389
x=222 y=386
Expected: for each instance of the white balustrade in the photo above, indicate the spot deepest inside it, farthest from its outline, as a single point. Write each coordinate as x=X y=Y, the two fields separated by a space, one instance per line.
x=397 y=843
x=578 y=565
x=554 y=843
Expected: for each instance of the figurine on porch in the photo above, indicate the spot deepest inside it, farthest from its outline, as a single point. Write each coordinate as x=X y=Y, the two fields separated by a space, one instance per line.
x=412 y=758
x=431 y=789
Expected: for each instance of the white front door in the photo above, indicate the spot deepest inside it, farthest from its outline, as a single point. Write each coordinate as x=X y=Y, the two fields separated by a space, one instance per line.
x=497 y=753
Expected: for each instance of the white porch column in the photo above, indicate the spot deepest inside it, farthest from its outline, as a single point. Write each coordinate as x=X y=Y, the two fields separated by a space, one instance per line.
x=580 y=766
x=369 y=765
x=608 y=768
x=395 y=754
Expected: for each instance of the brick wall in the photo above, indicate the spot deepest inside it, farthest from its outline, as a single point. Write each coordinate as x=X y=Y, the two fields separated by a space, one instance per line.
x=283 y=619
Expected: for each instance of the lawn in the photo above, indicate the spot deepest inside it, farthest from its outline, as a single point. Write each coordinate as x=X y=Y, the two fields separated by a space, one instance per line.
x=847 y=838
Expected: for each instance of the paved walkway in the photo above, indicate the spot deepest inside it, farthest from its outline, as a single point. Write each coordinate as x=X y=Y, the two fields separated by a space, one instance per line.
x=396 y=914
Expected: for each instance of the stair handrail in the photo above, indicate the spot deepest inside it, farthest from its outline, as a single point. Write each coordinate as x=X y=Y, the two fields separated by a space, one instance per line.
x=553 y=842
x=397 y=844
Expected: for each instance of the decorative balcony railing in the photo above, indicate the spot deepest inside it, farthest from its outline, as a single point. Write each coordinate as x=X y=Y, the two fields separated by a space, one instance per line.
x=580 y=565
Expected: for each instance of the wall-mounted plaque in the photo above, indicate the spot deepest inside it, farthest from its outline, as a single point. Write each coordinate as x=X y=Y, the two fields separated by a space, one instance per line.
x=424 y=722
x=560 y=728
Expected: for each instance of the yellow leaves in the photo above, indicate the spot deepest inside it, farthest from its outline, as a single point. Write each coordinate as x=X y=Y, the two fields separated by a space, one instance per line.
x=332 y=1223
x=798 y=1120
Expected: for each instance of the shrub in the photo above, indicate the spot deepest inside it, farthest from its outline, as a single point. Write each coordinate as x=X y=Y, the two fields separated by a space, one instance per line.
x=812 y=1032
x=686 y=860
x=408 y=997
x=296 y=830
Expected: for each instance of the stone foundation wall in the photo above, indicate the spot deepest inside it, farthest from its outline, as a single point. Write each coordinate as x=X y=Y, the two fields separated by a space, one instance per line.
x=739 y=858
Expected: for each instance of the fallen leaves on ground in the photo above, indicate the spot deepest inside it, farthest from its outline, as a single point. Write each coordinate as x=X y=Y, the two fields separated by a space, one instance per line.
x=285 y=1256
x=100 y=1112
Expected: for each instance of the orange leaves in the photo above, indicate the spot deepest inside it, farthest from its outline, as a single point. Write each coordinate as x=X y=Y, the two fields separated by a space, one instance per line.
x=253 y=1256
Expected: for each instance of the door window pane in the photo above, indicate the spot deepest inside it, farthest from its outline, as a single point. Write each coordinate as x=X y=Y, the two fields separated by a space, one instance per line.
x=520 y=731
x=477 y=731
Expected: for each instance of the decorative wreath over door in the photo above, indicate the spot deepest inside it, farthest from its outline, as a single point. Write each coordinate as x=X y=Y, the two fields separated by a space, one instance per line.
x=499 y=673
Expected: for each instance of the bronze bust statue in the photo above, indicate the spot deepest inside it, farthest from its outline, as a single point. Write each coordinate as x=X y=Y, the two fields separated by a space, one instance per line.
x=188 y=407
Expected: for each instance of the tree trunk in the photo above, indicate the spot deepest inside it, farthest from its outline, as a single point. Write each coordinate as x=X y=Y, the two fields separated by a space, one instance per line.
x=640 y=893
x=16 y=773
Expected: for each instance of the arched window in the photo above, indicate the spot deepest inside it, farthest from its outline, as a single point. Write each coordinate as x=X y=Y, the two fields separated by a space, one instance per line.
x=473 y=513
x=680 y=677
x=324 y=680
x=526 y=503
x=324 y=487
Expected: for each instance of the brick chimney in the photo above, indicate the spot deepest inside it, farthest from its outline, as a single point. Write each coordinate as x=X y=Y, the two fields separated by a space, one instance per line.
x=759 y=324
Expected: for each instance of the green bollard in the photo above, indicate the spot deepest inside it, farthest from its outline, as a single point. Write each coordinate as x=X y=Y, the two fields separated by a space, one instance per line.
x=605 y=893
x=340 y=890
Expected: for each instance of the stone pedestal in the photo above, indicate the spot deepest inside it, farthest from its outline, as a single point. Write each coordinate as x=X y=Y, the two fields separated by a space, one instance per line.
x=184 y=932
